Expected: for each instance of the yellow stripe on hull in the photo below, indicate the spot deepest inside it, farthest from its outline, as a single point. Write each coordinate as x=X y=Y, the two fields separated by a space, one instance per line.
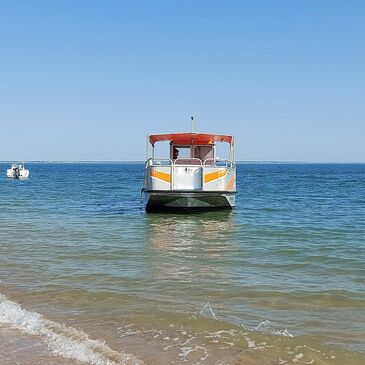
x=214 y=176
x=161 y=175
x=230 y=183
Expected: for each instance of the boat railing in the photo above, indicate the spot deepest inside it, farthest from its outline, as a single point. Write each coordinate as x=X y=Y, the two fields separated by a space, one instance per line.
x=188 y=162
x=209 y=162
x=153 y=161
x=218 y=174
x=218 y=162
x=199 y=168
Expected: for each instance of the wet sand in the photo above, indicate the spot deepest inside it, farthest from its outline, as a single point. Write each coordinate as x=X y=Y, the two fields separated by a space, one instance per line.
x=19 y=349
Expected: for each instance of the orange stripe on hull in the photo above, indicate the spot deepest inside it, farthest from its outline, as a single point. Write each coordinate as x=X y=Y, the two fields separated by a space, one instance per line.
x=161 y=175
x=214 y=175
x=230 y=183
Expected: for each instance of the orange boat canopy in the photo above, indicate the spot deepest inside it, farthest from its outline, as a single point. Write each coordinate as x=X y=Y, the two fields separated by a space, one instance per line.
x=190 y=138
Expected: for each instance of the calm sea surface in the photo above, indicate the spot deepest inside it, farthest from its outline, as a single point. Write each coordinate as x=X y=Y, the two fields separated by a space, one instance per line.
x=87 y=276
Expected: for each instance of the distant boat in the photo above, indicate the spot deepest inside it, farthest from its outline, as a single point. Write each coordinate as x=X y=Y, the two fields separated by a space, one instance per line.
x=192 y=177
x=17 y=171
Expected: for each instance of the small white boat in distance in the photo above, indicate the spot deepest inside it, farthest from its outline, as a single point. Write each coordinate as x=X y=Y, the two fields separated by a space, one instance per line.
x=192 y=177
x=17 y=171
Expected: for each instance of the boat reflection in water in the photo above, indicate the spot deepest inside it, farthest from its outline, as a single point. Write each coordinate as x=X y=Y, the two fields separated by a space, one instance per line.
x=192 y=244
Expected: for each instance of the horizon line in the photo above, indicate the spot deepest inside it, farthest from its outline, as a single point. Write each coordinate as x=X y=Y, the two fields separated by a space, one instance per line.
x=237 y=162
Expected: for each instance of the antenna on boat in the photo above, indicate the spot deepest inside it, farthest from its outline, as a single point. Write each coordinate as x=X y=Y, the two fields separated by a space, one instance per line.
x=193 y=125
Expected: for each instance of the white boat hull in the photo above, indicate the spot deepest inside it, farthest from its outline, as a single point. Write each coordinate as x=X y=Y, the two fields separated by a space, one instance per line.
x=23 y=174
x=187 y=200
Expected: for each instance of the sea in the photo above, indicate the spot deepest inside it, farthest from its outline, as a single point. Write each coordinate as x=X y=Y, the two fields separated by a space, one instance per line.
x=88 y=277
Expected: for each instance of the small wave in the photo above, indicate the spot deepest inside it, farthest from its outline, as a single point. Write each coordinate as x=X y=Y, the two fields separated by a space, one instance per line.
x=267 y=327
x=208 y=311
x=117 y=208
x=61 y=340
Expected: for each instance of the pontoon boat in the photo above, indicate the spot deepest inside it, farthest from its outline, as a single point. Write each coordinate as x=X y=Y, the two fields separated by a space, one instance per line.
x=193 y=177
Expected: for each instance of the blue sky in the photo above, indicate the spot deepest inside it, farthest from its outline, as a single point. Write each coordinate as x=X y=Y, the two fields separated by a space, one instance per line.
x=88 y=80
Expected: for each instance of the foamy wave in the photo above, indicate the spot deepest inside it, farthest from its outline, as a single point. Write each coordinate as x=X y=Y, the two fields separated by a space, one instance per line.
x=266 y=326
x=62 y=340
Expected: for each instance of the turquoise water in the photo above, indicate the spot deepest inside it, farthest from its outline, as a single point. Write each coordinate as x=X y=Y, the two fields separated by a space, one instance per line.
x=280 y=279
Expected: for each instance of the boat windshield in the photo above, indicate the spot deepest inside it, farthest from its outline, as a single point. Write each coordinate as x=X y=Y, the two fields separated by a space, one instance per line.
x=192 y=152
x=180 y=152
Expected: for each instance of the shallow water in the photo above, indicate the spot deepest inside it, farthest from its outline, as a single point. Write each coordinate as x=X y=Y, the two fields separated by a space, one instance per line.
x=87 y=275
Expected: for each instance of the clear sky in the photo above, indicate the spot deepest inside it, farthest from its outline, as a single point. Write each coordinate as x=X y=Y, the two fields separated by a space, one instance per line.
x=88 y=80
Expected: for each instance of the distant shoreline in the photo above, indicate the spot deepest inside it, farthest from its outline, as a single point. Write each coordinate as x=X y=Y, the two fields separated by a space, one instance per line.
x=142 y=162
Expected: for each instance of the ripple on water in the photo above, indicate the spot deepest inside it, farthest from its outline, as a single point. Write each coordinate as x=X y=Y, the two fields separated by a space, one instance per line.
x=292 y=253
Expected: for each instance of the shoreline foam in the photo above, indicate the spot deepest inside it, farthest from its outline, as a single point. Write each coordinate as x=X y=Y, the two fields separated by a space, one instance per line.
x=62 y=340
